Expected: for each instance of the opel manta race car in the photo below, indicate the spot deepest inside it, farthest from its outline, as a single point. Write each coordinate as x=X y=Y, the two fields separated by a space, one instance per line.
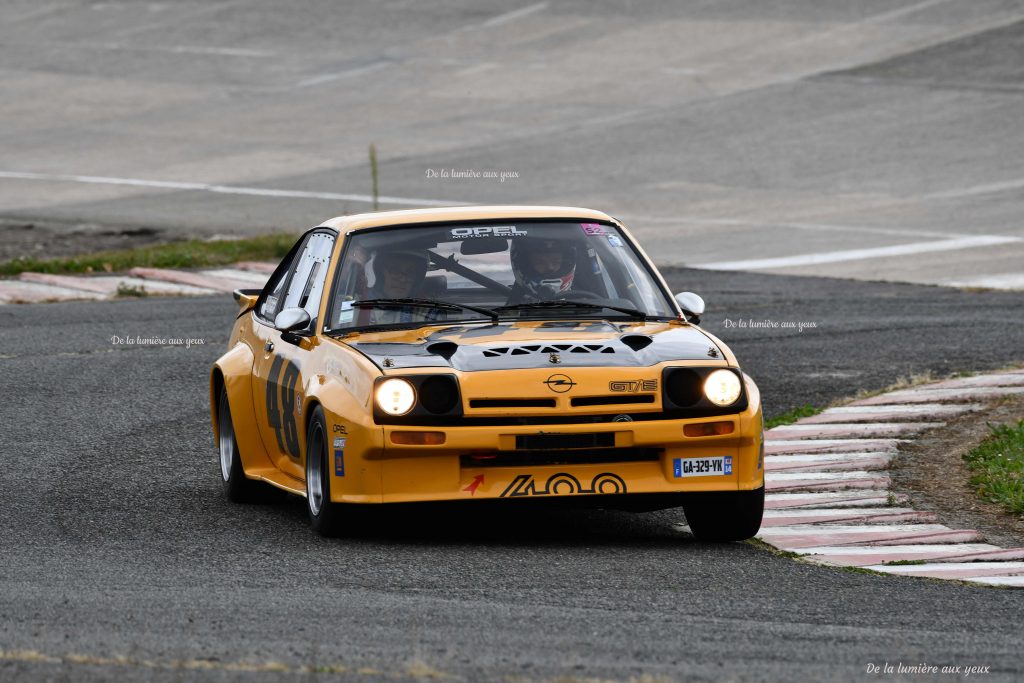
x=484 y=353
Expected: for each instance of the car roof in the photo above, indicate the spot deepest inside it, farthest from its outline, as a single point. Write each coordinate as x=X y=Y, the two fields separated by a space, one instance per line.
x=459 y=213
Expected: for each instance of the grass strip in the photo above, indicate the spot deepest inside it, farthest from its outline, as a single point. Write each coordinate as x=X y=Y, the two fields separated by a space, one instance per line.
x=997 y=466
x=189 y=254
x=791 y=416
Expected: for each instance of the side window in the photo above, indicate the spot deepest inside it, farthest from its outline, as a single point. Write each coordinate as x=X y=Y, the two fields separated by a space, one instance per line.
x=272 y=294
x=307 y=285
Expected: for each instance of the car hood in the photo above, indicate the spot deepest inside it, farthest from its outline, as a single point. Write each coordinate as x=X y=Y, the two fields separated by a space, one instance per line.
x=536 y=344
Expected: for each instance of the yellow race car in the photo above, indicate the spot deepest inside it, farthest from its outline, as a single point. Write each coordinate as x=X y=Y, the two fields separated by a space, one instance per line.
x=482 y=353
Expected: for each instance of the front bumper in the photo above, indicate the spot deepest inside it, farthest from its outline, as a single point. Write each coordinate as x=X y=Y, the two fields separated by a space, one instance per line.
x=613 y=458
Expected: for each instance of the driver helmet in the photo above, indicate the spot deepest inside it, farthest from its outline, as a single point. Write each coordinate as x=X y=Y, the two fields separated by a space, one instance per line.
x=543 y=267
x=409 y=264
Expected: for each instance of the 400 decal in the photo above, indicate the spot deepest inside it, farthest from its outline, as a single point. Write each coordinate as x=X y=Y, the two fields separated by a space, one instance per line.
x=563 y=484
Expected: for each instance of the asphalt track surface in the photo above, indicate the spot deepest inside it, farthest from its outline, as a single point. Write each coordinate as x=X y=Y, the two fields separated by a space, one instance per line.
x=118 y=542
x=718 y=131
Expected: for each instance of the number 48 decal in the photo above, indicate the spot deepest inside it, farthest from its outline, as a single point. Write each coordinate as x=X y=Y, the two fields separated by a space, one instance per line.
x=281 y=405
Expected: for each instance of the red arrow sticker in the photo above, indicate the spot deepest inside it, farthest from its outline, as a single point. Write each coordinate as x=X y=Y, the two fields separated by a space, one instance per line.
x=475 y=484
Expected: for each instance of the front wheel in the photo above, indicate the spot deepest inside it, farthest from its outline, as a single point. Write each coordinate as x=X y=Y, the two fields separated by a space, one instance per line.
x=324 y=516
x=724 y=516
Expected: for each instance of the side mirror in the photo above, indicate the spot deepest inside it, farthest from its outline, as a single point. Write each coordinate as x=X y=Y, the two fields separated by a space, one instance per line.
x=246 y=298
x=289 y=322
x=291 y=319
x=692 y=305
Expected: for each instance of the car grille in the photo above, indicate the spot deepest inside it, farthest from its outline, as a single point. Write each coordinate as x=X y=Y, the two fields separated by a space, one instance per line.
x=590 y=456
x=512 y=403
x=539 y=442
x=582 y=401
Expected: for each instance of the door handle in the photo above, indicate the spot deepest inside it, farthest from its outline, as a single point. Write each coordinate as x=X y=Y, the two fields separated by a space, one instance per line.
x=269 y=346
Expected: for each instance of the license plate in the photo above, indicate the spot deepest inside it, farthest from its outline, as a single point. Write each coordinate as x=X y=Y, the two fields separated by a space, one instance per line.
x=716 y=466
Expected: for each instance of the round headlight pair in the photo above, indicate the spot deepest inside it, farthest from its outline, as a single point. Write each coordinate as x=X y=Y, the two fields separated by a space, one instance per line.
x=722 y=387
x=395 y=396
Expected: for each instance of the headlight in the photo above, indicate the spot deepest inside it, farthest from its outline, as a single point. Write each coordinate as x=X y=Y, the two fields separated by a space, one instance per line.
x=722 y=387
x=395 y=396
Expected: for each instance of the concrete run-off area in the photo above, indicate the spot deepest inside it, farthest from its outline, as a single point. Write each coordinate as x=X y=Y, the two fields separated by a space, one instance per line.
x=43 y=287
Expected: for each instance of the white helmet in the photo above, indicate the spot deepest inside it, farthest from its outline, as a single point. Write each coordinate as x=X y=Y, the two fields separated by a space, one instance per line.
x=543 y=285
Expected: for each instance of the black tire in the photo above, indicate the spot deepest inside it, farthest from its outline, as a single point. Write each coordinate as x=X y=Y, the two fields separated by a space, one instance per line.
x=720 y=517
x=324 y=516
x=237 y=487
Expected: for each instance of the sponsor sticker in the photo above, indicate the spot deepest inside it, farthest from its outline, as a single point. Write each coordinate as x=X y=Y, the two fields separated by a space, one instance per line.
x=614 y=240
x=339 y=442
x=488 y=231
x=564 y=483
x=346 y=313
x=339 y=463
x=715 y=466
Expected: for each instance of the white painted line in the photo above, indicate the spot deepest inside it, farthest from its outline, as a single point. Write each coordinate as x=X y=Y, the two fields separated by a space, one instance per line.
x=922 y=395
x=174 y=49
x=347 y=73
x=819 y=227
x=859 y=254
x=828 y=462
x=224 y=189
x=857 y=426
x=987 y=188
x=259 y=279
x=910 y=409
x=512 y=16
x=779 y=446
x=178 y=17
x=1017 y=581
x=807 y=457
x=225 y=51
x=18 y=291
x=901 y=12
x=824 y=476
x=855 y=512
x=154 y=286
x=997 y=380
x=844 y=529
x=1005 y=281
x=951 y=548
x=960 y=566
x=829 y=499
x=866 y=414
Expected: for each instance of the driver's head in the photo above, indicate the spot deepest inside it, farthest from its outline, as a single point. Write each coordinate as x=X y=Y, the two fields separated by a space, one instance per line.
x=398 y=273
x=546 y=263
x=544 y=267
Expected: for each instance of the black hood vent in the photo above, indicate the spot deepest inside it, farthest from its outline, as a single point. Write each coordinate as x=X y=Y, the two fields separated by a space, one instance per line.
x=637 y=342
x=445 y=349
x=546 y=348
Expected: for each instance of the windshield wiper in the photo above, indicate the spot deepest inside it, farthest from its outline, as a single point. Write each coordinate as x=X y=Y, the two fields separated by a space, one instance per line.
x=566 y=303
x=425 y=303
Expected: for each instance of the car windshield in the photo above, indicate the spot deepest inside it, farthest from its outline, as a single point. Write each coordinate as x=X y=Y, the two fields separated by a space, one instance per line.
x=513 y=270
